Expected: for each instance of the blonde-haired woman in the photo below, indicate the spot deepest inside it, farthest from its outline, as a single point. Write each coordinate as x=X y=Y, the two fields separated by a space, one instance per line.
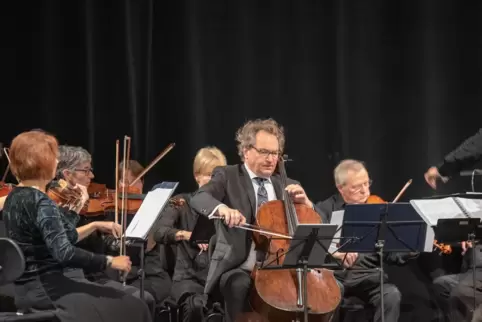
x=175 y=226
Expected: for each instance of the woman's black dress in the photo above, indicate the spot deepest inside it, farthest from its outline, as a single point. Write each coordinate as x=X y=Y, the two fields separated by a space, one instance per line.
x=46 y=238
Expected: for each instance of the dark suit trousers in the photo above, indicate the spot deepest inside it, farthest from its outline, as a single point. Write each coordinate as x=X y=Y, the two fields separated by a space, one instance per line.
x=455 y=294
x=235 y=286
x=368 y=290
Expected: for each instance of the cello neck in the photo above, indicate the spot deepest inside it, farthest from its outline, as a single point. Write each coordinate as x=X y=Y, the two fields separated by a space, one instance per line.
x=290 y=210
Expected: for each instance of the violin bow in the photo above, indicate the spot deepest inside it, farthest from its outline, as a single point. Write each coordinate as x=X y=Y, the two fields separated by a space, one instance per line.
x=5 y=151
x=127 y=146
x=116 y=211
x=154 y=162
x=256 y=229
x=409 y=182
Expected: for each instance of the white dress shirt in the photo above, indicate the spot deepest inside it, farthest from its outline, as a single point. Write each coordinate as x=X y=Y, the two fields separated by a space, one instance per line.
x=268 y=185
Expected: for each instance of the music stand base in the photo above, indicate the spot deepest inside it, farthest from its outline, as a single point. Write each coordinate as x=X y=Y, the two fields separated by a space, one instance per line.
x=380 y=245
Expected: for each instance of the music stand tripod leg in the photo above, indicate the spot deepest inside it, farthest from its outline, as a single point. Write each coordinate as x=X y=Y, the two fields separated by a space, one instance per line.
x=472 y=241
x=380 y=245
x=141 y=271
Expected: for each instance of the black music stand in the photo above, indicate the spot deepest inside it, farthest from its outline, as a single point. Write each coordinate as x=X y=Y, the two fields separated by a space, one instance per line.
x=457 y=230
x=382 y=228
x=308 y=249
x=203 y=231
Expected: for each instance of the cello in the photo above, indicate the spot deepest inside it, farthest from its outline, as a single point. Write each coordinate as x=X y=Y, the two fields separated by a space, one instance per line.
x=277 y=294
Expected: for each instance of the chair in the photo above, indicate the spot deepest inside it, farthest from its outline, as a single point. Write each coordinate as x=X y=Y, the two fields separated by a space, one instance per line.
x=12 y=266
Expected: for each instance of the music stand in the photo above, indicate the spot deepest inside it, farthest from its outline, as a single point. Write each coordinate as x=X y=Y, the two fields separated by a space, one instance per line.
x=203 y=231
x=308 y=249
x=455 y=230
x=144 y=220
x=382 y=228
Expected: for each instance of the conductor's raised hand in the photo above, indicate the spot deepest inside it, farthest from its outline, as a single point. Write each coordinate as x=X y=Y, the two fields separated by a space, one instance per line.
x=431 y=177
x=232 y=217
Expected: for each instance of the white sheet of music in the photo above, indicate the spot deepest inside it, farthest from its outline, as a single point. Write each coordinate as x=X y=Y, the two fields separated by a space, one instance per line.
x=431 y=210
x=147 y=214
x=336 y=219
x=473 y=206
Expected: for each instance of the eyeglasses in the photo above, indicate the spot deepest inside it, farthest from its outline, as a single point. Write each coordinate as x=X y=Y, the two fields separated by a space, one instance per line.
x=266 y=153
x=86 y=171
x=359 y=187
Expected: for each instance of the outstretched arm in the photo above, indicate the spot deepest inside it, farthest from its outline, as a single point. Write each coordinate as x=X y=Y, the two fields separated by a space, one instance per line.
x=208 y=198
x=464 y=156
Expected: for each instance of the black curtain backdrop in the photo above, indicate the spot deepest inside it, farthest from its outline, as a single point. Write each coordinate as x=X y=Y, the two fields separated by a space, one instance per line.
x=393 y=83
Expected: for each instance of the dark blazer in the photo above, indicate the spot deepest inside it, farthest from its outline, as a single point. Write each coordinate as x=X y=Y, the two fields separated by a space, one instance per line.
x=232 y=186
x=465 y=156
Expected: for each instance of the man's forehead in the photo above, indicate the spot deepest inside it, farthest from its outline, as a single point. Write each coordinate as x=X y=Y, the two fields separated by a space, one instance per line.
x=356 y=176
x=266 y=140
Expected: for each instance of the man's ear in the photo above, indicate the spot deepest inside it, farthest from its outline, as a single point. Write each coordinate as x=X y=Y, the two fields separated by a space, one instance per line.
x=339 y=187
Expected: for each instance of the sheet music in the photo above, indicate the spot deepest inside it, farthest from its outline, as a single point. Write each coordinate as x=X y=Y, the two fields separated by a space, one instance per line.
x=147 y=214
x=336 y=219
x=431 y=210
x=472 y=206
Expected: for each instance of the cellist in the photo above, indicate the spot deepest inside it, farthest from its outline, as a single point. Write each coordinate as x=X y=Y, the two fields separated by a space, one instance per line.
x=353 y=185
x=235 y=192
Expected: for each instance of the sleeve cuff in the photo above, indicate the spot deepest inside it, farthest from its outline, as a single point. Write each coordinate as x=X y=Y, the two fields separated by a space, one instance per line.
x=214 y=211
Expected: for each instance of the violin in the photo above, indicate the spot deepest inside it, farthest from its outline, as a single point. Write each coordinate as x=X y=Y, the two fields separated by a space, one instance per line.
x=444 y=248
x=102 y=199
x=374 y=199
x=67 y=196
x=129 y=197
x=6 y=188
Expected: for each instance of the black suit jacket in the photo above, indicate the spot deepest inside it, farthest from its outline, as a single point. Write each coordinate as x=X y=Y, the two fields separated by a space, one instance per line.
x=232 y=186
x=464 y=157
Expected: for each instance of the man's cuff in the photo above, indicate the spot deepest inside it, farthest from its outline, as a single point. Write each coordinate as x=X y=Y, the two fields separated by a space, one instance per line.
x=215 y=209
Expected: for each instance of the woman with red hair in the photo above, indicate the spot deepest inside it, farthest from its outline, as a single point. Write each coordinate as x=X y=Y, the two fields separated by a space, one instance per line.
x=47 y=240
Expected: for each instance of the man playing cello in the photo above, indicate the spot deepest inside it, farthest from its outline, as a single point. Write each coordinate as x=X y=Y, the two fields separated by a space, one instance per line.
x=235 y=192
